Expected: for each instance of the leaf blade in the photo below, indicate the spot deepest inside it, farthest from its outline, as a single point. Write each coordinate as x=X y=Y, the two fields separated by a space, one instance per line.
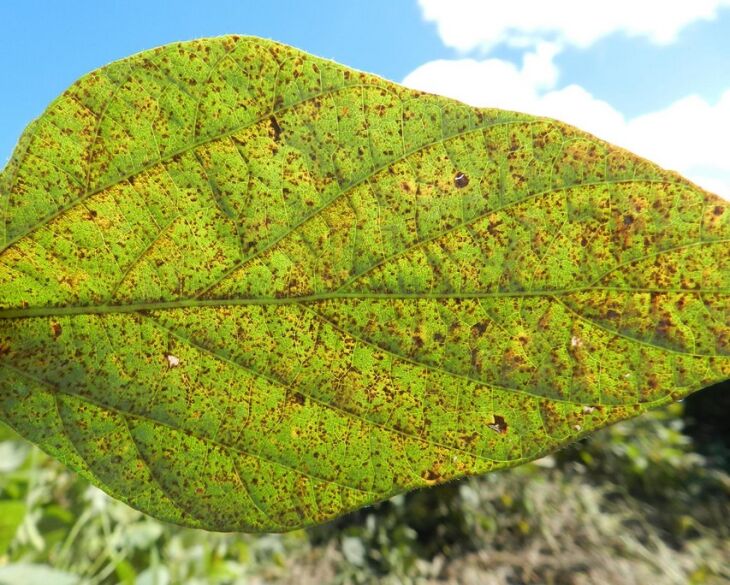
x=246 y=288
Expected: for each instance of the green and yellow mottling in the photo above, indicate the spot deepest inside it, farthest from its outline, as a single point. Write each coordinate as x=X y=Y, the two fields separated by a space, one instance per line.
x=244 y=288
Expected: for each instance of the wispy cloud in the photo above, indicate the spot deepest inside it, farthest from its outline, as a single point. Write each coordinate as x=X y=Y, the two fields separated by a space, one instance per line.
x=480 y=24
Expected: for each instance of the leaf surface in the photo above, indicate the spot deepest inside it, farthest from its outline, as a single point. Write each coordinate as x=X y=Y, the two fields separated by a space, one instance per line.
x=245 y=288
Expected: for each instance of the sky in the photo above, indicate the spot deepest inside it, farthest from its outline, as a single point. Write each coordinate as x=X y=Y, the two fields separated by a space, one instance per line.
x=650 y=75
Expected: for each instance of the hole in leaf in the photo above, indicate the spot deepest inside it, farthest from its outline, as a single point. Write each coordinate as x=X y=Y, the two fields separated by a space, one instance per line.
x=172 y=361
x=499 y=425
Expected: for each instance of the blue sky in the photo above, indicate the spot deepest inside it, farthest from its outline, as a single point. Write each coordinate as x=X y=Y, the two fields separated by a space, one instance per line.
x=654 y=79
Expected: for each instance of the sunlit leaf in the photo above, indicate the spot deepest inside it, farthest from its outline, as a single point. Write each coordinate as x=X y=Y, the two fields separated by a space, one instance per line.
x=244 y=288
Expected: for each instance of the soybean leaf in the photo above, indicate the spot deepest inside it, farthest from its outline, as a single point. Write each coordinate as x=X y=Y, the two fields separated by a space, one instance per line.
x=244 y=288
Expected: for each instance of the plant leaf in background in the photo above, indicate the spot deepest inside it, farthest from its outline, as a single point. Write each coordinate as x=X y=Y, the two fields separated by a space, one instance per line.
x=244 y=288
x=11 y=516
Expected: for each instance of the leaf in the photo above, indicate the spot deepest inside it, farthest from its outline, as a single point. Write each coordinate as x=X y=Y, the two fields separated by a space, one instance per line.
x=11 y=517
x=35 y=574
x=244 y=288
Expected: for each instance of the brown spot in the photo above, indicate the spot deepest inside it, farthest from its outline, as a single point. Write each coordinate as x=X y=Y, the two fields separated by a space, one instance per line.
x=664 y=325
x=628 y=219
x=469 y=439
x=55 y=329
x=461 y=180
x=431 y=475
x=499 y=425
x=476 y=359
x=275 y=127
x=405 y=186
x=478 y=329
x=719 y=210
x=493 y=227
x=611 y=314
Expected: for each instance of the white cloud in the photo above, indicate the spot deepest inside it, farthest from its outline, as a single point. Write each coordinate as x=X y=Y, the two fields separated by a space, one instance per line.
x=499 y=82
x=691 y=135
x=481 y=24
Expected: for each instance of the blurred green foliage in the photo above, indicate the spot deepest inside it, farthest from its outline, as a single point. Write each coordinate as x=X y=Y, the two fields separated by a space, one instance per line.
x=634 y=503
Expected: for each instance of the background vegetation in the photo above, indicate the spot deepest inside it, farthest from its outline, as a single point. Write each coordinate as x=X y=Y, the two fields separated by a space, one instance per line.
x=645 y=501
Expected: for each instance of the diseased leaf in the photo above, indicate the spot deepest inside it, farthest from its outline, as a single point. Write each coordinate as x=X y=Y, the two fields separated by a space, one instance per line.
x=244 y=288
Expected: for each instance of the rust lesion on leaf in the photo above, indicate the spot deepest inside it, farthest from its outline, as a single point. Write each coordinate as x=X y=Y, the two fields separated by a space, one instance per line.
x=431 y=476
x=275 y=128
x=461 y=180
x=56 y=329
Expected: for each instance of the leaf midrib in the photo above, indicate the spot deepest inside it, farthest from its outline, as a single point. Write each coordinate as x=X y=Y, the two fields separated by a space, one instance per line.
x=205 y=303
x=196 y=301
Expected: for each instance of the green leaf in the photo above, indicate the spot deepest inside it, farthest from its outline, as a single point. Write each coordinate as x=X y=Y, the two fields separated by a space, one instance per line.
x=11 y=517
x=244 y=288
